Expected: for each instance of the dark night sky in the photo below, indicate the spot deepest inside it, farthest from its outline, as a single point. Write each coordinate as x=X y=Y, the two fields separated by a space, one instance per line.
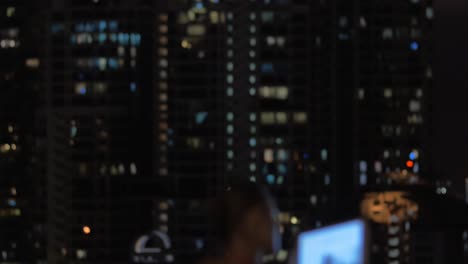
x=450 y=132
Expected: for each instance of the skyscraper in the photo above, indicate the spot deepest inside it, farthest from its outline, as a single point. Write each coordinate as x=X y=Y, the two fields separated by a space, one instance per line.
x=20 y=228
x=99 y=90
x=243 y=94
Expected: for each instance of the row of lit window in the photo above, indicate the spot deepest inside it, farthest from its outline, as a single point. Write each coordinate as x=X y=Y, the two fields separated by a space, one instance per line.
x=113 y=169
x=252 y=92
x=281 y=118
x=388 y=93
x=5 y=148
x=9 y=43
x=229 y=93
x=133 y=39
x=102 y=63
x=95 y=26
x=163 y=95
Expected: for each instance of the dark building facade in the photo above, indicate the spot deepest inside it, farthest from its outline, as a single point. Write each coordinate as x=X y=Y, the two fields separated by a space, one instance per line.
x=99 y=100
x=21 y=218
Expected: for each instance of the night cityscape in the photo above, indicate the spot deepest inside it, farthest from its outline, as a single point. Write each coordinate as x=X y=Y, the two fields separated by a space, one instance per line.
x=120 y=120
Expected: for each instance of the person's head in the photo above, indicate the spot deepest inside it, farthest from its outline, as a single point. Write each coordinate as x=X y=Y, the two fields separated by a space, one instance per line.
x=249 y=213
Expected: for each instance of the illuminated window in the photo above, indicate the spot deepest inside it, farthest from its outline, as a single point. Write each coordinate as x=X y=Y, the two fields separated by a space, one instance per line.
x=274 y=92
x=230 y=154
x=229 y=91
x=378 y=166
x=267 y=68
x=363 y=179
x=252 y=16
x=80 y=88
x=196 y=30
x=252 y=54
x=162 y=52
x=229 y=129
x=388 y=93
x=267 y=16
x=253 y=130
x=268 y=156
x=229 y=41
x=81 y=254
x=360 y=94
x=282 y=155
x=324 y=154
x=194 y=142
x=200 y=117
x=362 y=22
x=163 y=17
x=163 y=40
x=229 y=66
x=363 y=166
x=252 y=142
x=253 y=29
x=414 y=106
x=300 y=117
x=229 y=78
x=252 y=66
x=327 y=179
x=133 y=169
x=281 y=118
x=10 y=11
x=214 y=17
x=281 y=41
x=429 y=13
x=387 y=33
x=252 y=117
x=32 y=62
x=267 y=118
x=253 y=42
x=163 y=29
x=252 y=79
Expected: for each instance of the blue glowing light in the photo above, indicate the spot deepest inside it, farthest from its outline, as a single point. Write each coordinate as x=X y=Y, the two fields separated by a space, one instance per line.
x=199 y=5
x=414 y=46
x=200 y=117
x=135 y=39
x=113 y=63
x=133 y=87
x=252 y=142
x=412 y=156
x=282 y=169
x=82 y=90
x=113 y=25
x=270 y=178
x=11 y=202
x=267 y=68
x=102 y=25
x=102 y=37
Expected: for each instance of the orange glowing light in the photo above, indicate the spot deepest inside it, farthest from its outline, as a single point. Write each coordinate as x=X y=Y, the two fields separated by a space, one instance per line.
x=86 y=230
x=409 y=164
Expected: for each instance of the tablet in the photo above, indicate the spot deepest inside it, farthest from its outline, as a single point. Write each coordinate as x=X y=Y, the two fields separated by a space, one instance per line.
x=343 y=243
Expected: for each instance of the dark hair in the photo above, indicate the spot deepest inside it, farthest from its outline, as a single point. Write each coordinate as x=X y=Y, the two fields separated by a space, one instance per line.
x=230 y=209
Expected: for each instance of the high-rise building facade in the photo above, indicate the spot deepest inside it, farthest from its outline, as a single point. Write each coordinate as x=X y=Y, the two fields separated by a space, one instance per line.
x=392 y=88
x=21 y=229
x=99 y=99
x=243 y=94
